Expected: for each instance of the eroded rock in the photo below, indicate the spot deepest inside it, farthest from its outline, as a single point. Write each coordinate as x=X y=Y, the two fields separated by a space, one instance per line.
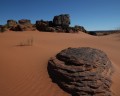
x=61 y=20
x=24 y=22
x=11 y=23
x=82 y=71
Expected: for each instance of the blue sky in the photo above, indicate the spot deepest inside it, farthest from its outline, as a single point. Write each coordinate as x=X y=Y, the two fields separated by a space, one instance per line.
x=92 y=14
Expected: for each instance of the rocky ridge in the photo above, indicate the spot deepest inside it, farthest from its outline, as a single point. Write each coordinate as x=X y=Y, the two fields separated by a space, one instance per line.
x=60 y=23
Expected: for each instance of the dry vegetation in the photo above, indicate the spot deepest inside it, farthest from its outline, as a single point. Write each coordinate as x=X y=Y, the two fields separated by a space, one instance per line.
x=28 y=42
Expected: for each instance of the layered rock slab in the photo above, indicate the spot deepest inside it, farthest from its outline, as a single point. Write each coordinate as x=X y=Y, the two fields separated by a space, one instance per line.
x=82 y=71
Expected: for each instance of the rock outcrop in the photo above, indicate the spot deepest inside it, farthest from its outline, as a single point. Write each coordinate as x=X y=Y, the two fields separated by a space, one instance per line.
x=59 y=23
x=23 y=25
x=3 y=28
x=11 y=23
x=45 y=26
x=61 y=20
x=80 y=28
x=82 y=71
x=24 y=22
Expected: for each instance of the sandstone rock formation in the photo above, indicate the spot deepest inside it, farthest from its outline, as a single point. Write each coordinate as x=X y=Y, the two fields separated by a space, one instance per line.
x=43 y=25
x=59 y=23
x=23 y=25
x=61 y=20
x=82 y=71
x=11 y=23
x=3 y=28
x=79 y=28
x=24 y=22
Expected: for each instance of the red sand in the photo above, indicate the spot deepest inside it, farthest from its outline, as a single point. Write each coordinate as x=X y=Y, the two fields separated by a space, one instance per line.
x=23 y=69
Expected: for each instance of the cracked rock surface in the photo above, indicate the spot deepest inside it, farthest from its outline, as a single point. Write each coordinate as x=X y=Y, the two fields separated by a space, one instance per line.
x=82 y=71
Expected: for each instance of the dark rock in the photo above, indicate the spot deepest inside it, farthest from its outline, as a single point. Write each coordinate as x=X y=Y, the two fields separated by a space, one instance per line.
x=71 y=30
x=21 y=27
x=80 y=28
x=11 y=23
x=82 y=71
x=61 y=20
x=45 y=26
x=3 y=28
x=0 y=27
x=24 y=22
x=24 y=25
x=59 y=29
x=50 y=29
x=93 y=33
x=42 y=25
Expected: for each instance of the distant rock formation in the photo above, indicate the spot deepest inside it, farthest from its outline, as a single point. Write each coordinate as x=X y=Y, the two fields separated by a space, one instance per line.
x=103 y=32
x=11 y=23
x=3 y=28
x=24 y=22
x=22 y=25
x=25 y=25
x=80 y=28
x=60 y=23
x=44 y=26
x=61 y=20
x=82 y=71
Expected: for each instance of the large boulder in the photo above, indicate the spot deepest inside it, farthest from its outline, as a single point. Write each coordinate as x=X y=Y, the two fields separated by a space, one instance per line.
x=24 y=25
x=79 y=28
x=45 y=26
x=3 y=28
x=11 y=23
x=82 y=71
x=61 y=20
x=24 y=22
x=42 y=25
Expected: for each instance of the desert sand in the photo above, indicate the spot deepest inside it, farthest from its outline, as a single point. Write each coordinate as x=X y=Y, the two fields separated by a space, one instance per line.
x=23 y=69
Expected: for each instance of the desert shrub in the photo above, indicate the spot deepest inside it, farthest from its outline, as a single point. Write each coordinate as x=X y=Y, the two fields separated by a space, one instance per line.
x=28 y=42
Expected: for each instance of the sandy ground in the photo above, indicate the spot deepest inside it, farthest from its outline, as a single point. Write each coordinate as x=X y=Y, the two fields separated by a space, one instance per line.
x=23 y=69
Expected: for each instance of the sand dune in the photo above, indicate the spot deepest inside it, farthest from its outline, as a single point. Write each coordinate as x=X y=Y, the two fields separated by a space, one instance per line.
x=23 y=69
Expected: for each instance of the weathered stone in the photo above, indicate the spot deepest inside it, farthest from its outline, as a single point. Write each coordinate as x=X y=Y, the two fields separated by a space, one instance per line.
x=82 y=71
x=26 y=27
x=24 y=22
x=3 y=28
x=42 y=25
x=60 y=23
x=45 y=26
x=80 y=28
x=11 y=23
x=50 y=29
x=61 y=20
